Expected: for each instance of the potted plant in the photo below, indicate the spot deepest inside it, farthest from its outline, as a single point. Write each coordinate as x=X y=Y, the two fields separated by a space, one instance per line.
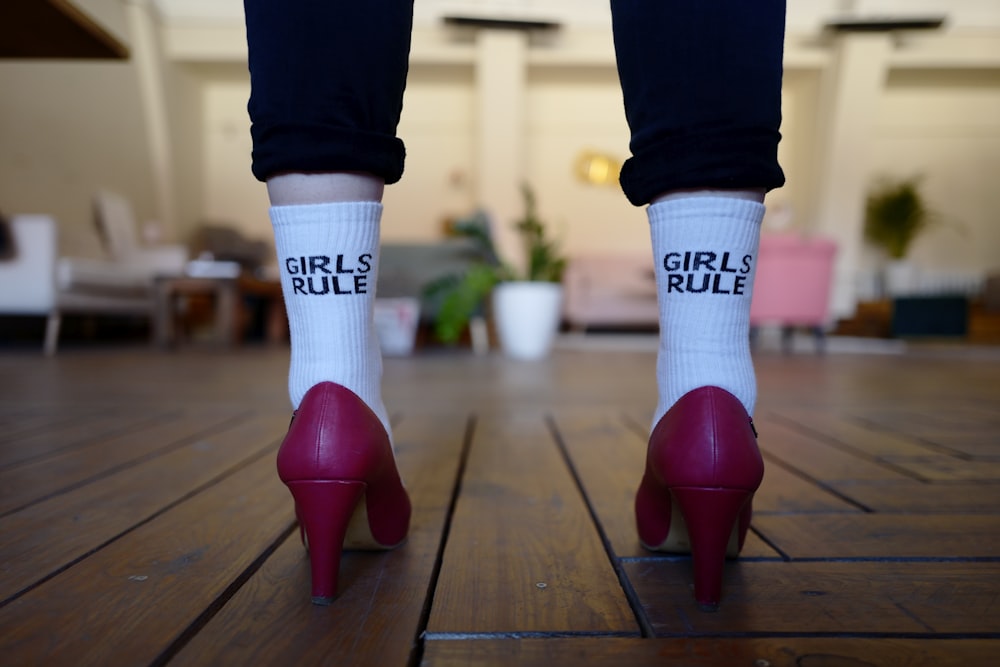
x=526 y=305
x=895 y=214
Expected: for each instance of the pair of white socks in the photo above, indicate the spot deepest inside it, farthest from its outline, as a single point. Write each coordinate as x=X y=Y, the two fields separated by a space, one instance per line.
x=705 y=254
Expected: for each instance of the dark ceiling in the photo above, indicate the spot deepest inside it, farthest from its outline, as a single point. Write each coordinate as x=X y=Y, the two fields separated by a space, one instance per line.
x=53 y=29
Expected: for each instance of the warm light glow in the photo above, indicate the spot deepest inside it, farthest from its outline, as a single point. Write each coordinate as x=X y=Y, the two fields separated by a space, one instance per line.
x=597 y=168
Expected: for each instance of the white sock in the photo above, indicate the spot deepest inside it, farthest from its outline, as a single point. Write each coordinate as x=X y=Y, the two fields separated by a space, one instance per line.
x=328 y=259
x=705 y=254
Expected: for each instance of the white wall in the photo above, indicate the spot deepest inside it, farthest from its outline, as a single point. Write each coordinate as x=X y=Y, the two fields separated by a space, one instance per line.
x=67 y=129
x=70 y=128
x=231 y=194
x=945 y=125
x=796 y=152
x=184 y=92
x=437 y=127
x=572 y=109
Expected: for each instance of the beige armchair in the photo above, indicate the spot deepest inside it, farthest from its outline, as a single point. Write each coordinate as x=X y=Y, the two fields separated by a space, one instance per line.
x=117 y=227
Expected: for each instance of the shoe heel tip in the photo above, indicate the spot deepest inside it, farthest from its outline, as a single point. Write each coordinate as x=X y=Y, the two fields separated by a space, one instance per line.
x=322 y=600
x=708 y=607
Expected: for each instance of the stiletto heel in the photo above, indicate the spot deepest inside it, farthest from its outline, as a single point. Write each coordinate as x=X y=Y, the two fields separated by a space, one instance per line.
x=337 y=462
x=702 y=469
x=324 y=510
x=711 y=517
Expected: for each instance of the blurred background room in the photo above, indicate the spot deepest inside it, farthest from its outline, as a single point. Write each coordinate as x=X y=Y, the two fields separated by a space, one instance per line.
x=131 y=212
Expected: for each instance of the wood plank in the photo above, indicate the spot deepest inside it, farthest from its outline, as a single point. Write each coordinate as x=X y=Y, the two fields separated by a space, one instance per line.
x=985 y=444
x=859 y=598
x=609 y=457
x=783 y=491
x=65 y=434
x=523 y=554
x=19 y=422
x=40 y=478
x=108 y=379
x=818 y=459
x=883 y=535
x=941 y=467
x=762 y=652
x=271 y=621
x=437 y=381
x=928 y=421
x=922 y=498
x=145 y=589
x=40 y=539
x=844 y=429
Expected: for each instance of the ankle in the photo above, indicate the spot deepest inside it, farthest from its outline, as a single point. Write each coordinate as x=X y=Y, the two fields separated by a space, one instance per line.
x=292 y=189
x=756 y=195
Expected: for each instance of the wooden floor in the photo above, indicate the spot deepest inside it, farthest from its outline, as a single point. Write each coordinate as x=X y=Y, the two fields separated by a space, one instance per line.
x=142 y=523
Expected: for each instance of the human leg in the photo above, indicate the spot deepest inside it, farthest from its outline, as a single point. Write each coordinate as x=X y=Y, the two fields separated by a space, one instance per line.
x=701 y=84
x=702 y=89
x=327 y=81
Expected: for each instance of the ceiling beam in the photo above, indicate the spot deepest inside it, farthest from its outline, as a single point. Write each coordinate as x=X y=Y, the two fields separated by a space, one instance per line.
x=54 y=29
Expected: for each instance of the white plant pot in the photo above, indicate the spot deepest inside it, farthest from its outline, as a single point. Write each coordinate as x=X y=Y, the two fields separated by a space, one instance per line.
x=901 y=277
x=396 y=322
x=527 y=316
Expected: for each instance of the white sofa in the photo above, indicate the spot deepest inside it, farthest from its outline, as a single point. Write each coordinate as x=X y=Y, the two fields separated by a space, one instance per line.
x=36 y=281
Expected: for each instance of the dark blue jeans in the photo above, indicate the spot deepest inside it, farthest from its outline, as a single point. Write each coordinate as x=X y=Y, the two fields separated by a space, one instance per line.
x=701 y=83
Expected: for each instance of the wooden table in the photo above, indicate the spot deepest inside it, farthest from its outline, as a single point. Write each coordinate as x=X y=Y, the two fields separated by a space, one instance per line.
x=231 y=318
x=167 y=289
x=269 y=293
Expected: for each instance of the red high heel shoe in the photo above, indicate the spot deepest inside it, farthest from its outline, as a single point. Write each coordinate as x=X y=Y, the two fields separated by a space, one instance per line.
x=337 y=461
x=702 y=468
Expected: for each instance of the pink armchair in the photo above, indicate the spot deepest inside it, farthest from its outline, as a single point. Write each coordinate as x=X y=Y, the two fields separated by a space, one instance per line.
x=610 y=290
x=792 y=285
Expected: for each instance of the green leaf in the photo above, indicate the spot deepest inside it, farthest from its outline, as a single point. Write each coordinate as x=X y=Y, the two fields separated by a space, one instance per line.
x=895 y=214
x=462 y=302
